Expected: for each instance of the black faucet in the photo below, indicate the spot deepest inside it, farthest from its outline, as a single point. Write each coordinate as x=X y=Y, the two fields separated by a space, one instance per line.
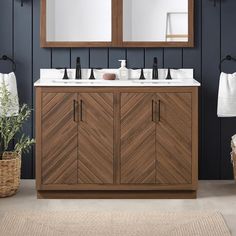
x=92 y=74
x=155 y=68
x=78 y=74
x=142 y=77
x=168 y=75
x=65 y=75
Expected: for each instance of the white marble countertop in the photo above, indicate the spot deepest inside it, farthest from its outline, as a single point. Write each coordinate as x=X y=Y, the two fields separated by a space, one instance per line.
x=116 y=83
x=53 y=78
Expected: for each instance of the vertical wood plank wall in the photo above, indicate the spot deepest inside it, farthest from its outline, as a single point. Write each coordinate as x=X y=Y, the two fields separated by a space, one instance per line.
x=215 y=37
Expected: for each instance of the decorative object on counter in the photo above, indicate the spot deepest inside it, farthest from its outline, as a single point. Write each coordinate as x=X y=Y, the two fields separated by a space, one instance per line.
x=6 y=58
x=109 y=76
x=233 y=154
x=78 y=74
x=142 y=77
x=10 y=160
x=155 y=68
x=123 y=71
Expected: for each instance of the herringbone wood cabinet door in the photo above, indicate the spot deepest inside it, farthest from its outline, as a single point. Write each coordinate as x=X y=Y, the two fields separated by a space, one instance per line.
x=173 y=139
x=95 y=165
x=138 y=154
x=59 y=139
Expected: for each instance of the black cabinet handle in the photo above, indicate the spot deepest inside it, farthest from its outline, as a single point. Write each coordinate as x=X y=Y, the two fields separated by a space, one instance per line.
x=153 y=111
x=158 y=111
x=81 y=110
x=75 y=105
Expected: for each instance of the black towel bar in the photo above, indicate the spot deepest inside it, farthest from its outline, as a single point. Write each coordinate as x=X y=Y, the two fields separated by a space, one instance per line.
x=227 y=58
x=6 y=58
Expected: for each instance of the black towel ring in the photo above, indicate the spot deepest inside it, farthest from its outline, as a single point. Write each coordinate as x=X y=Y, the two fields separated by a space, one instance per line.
x=227 y=58
x=6 y=58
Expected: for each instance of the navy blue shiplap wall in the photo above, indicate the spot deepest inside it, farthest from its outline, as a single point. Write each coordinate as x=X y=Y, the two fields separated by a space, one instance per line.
x=215 y=37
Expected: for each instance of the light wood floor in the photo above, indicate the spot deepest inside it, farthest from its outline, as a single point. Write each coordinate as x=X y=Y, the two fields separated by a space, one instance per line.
x=213 y=196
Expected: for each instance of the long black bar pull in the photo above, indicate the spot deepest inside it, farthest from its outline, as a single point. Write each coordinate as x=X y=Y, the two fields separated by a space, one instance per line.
x=81 y=110
x=153 y=111
x=158 y=111
x=75 y=105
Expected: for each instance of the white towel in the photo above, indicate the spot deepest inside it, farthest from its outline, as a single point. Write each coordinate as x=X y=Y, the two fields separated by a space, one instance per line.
x=10 y=82
x=233 y=142
x=227 y=95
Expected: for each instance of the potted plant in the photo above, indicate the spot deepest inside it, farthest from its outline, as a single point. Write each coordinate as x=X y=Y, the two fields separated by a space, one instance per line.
x=11 y=123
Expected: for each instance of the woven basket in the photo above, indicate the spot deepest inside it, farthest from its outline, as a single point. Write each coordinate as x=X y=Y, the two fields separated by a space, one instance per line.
x=10 y=168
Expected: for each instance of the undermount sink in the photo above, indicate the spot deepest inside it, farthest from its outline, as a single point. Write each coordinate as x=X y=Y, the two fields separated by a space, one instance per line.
x=117 y=81
x=76 y=81
x=157 y=81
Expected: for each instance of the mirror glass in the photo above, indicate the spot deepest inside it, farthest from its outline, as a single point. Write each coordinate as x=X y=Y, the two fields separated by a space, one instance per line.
x=155 y=20
x=79 y=20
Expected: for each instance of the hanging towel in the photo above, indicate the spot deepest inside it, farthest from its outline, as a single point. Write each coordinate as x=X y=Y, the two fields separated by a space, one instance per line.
x=233 y=142
x=227 y=95
x=10 y=81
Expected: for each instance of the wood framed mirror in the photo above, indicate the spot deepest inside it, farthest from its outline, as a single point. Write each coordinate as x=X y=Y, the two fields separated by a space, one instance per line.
x=117 y=23
x=78 y=23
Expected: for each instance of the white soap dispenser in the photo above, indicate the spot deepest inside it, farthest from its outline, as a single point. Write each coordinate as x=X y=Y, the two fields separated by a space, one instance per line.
x=123 y=71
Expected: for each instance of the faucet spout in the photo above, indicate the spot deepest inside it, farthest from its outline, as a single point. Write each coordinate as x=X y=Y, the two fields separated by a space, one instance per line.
x=65 y=75
x=78 y=69
x=155 y=68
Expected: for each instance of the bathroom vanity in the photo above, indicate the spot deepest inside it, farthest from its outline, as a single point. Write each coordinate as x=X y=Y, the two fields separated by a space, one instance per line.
x=117 y=139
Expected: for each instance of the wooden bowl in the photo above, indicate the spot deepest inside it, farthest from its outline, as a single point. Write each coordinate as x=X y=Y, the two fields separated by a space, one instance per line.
x=109 y=76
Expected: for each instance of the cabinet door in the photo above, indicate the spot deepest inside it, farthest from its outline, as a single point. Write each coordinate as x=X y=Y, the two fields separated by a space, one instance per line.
x=59 y=139
x=137 y=138
x=95 y=165
x=173 y=137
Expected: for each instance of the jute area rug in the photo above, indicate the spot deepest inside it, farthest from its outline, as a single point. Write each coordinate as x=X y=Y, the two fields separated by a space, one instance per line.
x=112 y=224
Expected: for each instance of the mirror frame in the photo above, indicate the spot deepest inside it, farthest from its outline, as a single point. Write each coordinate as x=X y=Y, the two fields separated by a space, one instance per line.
x=189 y=43
x=117 y=32
x=43 y=31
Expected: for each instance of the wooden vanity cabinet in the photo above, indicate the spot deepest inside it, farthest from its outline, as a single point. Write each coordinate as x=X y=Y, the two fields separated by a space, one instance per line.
x=174 y=139
x=138 y=139
x=95 y=138
x=120 y=142
x=156 y=138
x=75 y=125
x=59 y=139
